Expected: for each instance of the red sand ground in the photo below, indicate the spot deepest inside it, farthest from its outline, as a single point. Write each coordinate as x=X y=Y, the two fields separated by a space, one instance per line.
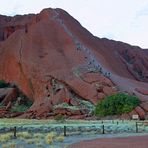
x=128 y=142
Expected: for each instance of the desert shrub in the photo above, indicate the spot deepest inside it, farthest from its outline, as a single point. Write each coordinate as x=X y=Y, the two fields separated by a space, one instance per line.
x=60 y=118
x=30 y=141
x=59 y=139
x=38 y=135
x=39 y=144
x=22 y=95
x=19 y=108
x=12 y=145
x=50 y=137
x=24 y=135
x=5 y=137
x=116 y=104
x=66 y=105
x=24 y=99
x=3 y=84
x=23 y=107
x=36 y=141
x=2 y=105
x=5 y=146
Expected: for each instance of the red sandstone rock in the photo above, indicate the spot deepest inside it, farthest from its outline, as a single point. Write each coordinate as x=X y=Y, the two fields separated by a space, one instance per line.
x=8 y=105
x=125 y=116
x=143 y=91
x=108 y=90
x=76 y=117
x=144 y=106
x=12 y=115
x=74 y=102
x=4 y=92
x=74 y=112
x=140 y=112
x=3 y=112
x=12 y=94
x=51 y=57
x=132 y=113
x=62 y=111
x=101 y=96
x=58 y=98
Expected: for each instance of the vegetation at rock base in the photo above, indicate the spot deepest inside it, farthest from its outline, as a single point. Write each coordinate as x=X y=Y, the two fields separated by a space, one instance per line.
x=23 y=105
x=20 y=108
x=66 y=105
x=3 y=84
x=1 y=105
x=60 y=118
x=19 y=104
x=116 y=104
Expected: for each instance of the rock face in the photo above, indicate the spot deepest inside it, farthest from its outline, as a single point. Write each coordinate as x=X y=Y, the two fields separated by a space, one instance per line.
x=62 y=67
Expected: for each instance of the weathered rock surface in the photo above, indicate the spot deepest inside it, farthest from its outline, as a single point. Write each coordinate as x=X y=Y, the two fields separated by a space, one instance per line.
x=143 y=91
x=11 y=95
x=7 y=95
x=140 y=112
x=54 y=60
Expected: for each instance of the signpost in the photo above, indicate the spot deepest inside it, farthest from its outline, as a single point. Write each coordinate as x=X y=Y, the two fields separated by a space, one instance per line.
x=135 y=117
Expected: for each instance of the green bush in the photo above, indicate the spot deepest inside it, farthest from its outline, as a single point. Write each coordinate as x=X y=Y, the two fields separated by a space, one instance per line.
x=116 y=104
x=25 y=100
x=60 y=118
x=21 y=104
x=19 y=108
x=1 y=105
x=3 y=84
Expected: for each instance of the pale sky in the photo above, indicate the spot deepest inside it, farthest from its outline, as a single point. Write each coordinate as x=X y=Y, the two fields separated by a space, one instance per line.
x=122 y=20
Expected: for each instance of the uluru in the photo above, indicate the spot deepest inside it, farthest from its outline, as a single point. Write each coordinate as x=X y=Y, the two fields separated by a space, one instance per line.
x=62 y=68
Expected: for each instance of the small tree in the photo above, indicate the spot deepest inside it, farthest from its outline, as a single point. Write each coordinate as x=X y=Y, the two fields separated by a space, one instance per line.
x=3 y=84
x=60 y=118
x=116 y=104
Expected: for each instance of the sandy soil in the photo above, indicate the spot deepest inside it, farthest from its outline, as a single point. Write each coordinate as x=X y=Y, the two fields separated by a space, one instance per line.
x=127 y=142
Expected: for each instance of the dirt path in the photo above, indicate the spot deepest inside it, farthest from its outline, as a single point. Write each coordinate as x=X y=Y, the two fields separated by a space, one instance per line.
x=128 y=142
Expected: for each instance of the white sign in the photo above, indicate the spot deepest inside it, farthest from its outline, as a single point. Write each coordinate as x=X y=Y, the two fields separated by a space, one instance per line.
x=135 y=117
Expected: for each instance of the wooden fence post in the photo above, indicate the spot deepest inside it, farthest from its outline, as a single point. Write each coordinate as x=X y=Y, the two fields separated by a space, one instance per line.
x=103 y=129
x=64 y=130
x=136 y=127
x=15 y=132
